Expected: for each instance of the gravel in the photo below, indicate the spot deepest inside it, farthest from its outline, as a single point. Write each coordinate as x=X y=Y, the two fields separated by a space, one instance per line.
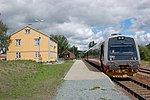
x=53 y=63
x=83 y=82
x=98 y=89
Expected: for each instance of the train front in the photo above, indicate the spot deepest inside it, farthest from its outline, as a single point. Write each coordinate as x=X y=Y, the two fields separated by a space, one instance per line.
x=123 y=58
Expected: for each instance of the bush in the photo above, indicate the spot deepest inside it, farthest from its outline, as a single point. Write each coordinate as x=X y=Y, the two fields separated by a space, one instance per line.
x=144 y=53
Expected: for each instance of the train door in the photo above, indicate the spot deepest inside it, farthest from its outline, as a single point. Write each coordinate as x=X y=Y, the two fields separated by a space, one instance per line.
x=87 y=55
x=102 y=57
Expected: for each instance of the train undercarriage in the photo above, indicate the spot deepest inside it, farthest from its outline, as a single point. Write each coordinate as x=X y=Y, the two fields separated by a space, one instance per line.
x=121 y=73
x=121 y=70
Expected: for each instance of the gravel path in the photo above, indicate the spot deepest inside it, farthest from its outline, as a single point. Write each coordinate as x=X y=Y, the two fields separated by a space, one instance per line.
x=82 y=84
x=99 y=89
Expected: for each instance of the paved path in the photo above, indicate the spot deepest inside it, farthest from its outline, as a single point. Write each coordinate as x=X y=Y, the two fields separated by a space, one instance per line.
x=79 y=71
x=88 y=83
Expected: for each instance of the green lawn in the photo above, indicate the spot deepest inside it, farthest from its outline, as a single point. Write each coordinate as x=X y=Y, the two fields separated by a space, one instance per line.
x=22 y=80
x=145 y=62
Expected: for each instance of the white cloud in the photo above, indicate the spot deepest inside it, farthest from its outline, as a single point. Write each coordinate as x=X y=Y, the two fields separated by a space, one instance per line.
x=74 y=18
x=142 y=38
x=78 y=34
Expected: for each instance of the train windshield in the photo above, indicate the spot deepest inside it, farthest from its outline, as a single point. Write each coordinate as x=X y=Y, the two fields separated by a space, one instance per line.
x=122 y=48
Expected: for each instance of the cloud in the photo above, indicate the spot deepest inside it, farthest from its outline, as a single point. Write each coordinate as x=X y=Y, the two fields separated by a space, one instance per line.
x=76 y=18
x=142 y=38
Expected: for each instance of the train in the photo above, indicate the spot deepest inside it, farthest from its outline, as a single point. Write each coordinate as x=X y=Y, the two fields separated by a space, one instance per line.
x=117 y=56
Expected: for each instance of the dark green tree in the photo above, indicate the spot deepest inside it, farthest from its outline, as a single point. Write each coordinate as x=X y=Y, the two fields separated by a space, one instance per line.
x=144 y=53
x=62 y=43
x=81 y=54
x=4 y=38
x=148 y=47
x=74 y=50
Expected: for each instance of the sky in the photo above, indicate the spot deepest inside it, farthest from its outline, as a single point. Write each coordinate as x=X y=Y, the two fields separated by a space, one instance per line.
x=81 y=21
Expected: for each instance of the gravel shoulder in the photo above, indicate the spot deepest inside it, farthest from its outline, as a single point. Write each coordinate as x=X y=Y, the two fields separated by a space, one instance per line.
x=99 y=89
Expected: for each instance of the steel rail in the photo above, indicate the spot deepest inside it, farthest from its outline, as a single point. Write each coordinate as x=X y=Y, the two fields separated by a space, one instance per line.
x=131 y=91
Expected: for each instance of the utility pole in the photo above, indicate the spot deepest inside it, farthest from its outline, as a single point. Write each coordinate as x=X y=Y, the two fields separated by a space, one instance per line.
x=39 y=21
x=73 y=49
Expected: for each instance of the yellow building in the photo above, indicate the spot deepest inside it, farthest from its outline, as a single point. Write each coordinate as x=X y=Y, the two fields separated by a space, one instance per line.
x=31 y=44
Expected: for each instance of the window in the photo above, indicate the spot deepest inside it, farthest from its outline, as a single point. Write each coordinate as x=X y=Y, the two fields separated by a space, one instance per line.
x=122 y=49
x=18 y=42
x=18 y=54
x=36 y=41
x=36 y=54
x=27 y=31
x=52 y=55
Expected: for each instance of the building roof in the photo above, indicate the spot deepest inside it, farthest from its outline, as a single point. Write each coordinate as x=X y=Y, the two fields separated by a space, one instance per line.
x=67 y=52
x=53 y=39
x=36 y=31
x=3 y=56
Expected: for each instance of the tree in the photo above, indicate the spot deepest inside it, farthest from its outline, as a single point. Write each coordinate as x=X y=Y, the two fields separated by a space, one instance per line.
x=74 y=50
x=144 y=53
x=148 y=47
x=62 y=43
x=4 y=39
x=81 y=54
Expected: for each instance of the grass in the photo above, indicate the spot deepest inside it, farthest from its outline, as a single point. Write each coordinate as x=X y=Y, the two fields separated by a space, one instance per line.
x=145 y=62
x=22 y=80
x=94 y=88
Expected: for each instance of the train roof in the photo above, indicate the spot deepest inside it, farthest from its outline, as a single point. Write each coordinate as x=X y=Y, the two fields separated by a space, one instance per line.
x=116 y=35
x=94 y=46
x=87 y=50
x=111 y=36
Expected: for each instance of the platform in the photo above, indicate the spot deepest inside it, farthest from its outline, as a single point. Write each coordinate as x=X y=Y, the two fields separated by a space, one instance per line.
x=79 y=71
x=84 y=82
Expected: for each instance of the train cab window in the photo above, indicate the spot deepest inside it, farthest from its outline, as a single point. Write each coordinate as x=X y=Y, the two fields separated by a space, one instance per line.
x=122 y=49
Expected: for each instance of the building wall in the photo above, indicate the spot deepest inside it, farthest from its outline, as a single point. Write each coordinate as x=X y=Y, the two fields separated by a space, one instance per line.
x=68 y=54
x=27 y=47
x=53 y=51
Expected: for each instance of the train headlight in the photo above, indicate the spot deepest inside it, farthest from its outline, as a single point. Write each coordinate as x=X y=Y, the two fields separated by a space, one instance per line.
x=130 y=63
x=120 y=37
x=134 y=58
x=112 y=58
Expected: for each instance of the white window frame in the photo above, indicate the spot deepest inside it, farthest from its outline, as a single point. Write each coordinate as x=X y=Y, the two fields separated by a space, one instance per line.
x=36 y=41
x=36 y=54
x=27 y=31
x=18 y=54
x=18 y=42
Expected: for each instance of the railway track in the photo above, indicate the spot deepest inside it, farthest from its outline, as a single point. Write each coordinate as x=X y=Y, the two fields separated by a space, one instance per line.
x=137 y=88
x=144 y=70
